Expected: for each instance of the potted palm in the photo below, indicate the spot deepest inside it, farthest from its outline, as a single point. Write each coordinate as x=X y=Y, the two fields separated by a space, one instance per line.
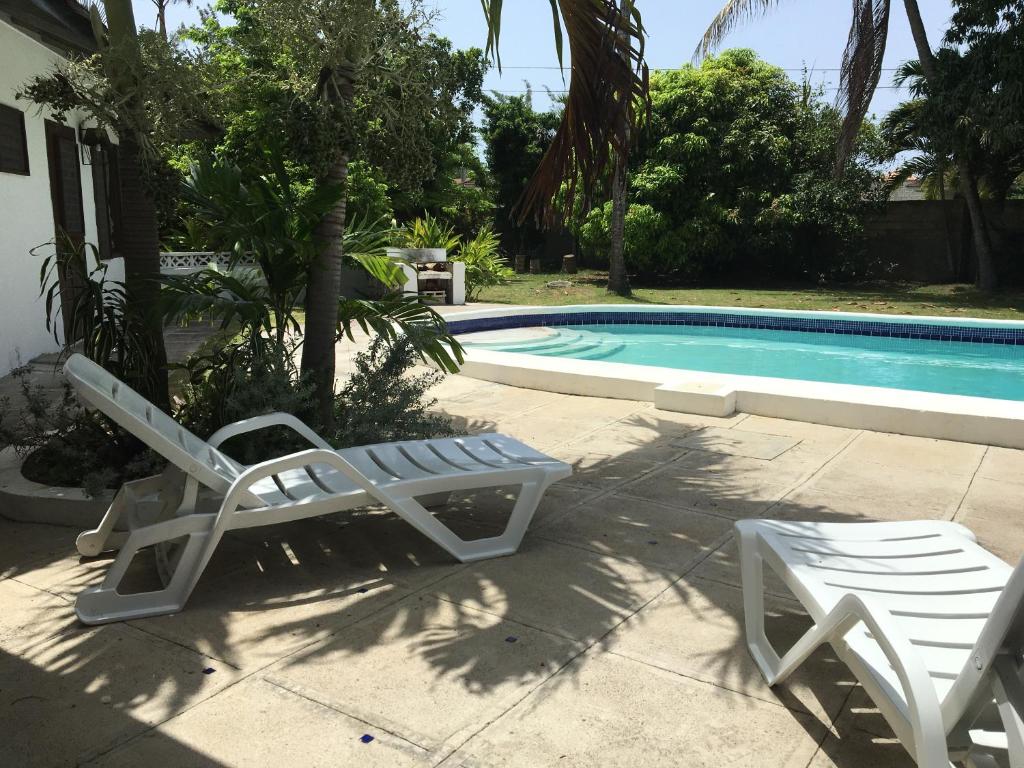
x=426 y=240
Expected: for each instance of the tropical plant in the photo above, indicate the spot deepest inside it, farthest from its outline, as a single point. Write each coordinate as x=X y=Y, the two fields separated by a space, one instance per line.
x=860 y=73
x=116 y=88
x=431 y=232
x=65 y=445
x=262 y=216
x=733 y=175
x=95 y=317
x=383 y=402
x=607 y=90
x=485 y=265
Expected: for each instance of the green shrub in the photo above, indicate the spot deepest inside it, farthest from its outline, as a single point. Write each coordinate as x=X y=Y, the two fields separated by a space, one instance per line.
x=485 y=266
x=382 y=402
x=65 y=445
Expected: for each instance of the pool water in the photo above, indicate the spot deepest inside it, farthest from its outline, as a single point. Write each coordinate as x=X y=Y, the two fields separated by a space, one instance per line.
x=949 y=367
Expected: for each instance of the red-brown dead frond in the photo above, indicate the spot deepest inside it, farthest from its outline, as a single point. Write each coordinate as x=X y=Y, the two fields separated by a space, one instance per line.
x=861 y=71
x=609 y=82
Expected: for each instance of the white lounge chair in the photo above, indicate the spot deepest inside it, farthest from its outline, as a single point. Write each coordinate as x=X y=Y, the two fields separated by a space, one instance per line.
x=305 y=484
x=931 y=624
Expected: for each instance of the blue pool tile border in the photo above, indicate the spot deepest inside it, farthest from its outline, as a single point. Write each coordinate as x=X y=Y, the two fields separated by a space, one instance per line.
x=890 y=329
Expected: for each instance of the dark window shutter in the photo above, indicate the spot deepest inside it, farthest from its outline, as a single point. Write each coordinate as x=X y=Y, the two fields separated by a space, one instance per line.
x=13 y=145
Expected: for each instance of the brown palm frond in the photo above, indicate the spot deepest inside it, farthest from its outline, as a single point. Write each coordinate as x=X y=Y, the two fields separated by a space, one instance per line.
x=609 y=83
x=861 y=71
x=732 y=13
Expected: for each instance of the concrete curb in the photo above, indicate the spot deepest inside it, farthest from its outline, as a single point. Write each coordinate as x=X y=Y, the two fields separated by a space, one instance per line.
x=26 y=501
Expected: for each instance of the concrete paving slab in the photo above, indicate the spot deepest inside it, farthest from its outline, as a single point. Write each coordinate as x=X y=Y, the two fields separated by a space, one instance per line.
x=601 y=472
x=723 y=565
x=257 y=724
x=714 y=649
x=80 y=693
x=30 y=615
x=732 y=486
x=1003 y=464
x=69 y=575
x=611 y=711
x=24 y=546
x=753 y=445
x=848 y=746
x=565 y=590
x=426 y=670
x=645 y=532
x=818 y=434
x=637 y=436
x=916 y=453
x=883 y=492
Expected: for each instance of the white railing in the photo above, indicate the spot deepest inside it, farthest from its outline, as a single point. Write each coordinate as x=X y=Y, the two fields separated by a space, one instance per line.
x=187 y=262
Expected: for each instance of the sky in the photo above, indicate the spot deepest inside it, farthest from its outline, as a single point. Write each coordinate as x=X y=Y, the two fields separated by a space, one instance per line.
x=794 y=35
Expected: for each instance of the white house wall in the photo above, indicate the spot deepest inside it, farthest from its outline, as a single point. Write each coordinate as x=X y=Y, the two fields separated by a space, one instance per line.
x=26 y=214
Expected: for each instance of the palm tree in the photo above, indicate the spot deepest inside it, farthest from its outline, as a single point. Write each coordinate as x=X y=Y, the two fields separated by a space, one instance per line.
x=608 y=87
x=140 y=235
x=860 y=73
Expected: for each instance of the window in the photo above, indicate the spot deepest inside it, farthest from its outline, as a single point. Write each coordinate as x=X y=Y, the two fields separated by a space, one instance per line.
x=13 y=145
x=106 y=187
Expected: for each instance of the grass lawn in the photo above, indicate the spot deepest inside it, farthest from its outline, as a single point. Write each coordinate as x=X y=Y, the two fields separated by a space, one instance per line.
x=588 y=287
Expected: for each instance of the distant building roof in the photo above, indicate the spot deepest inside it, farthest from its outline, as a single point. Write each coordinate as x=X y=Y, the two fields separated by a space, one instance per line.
x=912 y=188
x=63 y=25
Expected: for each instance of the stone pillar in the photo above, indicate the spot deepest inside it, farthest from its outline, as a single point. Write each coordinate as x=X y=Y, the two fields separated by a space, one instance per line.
x=520 y=263
x=534 y=266
x=569 y=264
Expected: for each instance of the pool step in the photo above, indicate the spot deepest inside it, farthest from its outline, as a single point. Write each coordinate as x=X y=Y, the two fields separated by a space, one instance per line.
x=601 y=351
x=540 y=346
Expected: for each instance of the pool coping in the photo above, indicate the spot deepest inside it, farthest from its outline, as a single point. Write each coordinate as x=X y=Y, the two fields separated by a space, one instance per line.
x=924 y=414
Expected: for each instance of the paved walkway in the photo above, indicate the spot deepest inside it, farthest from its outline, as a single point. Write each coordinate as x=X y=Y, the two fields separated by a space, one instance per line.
x=612 y=639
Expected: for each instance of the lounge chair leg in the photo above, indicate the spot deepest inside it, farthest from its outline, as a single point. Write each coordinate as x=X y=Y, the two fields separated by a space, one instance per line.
x=506 y=543
x=104 y=603
x=752 y=575
x=125 y=504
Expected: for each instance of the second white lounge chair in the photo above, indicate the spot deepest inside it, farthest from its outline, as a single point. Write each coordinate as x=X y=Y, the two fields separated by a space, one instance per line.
x=305 y=484
x=931 y=624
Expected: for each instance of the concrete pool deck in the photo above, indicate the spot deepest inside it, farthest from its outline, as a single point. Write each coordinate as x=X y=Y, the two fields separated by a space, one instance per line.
x=613 y=638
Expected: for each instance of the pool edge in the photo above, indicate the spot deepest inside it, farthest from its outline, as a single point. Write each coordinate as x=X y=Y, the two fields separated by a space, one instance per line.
x=922 y=414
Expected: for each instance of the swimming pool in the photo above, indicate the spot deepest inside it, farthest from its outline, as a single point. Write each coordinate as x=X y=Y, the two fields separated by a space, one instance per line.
x=945 y=377
x=950 y=367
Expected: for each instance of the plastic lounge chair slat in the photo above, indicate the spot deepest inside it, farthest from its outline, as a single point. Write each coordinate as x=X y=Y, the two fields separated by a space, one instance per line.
x=953 y=607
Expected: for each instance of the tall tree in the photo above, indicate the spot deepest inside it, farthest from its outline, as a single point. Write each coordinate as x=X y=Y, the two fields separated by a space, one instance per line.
x=515 y=137
x=121 y=59
x=608 y=86
x=317 y=69
x=861 y=71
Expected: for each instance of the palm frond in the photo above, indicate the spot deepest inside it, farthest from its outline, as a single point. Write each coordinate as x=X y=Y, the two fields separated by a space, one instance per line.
x=733 y=13
x=861 y=71
x=394 y=315
x=608 y=85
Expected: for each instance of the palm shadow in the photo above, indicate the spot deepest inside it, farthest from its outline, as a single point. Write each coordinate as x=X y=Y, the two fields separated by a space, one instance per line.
x=317 y=604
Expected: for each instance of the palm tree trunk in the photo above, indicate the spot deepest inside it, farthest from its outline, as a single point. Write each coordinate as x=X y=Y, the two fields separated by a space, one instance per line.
x=140 y=244
x=618 y=278
x=140 y=232
x=986 y=278
x=323 y=287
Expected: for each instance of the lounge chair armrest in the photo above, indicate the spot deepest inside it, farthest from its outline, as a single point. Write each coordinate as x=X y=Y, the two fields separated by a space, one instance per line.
x=236 y=494
x=923 y=703
x=263 y=422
